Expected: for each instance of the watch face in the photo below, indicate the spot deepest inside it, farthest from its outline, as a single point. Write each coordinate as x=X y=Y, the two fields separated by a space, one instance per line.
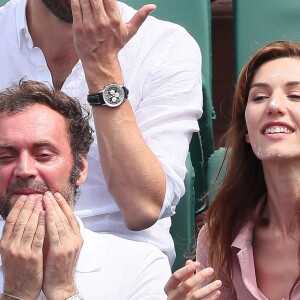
x=113 y=95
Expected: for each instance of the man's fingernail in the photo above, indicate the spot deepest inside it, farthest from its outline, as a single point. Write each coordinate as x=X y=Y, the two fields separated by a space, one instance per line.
x=39 y=203
x=22 y=199
x=31 y=198
x=46 y=198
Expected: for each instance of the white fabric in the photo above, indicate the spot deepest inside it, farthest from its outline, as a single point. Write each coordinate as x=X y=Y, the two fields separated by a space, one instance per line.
x=161 y=66
x=113 y=268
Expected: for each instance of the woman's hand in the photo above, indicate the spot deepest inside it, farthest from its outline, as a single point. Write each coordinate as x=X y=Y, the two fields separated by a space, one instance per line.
x=184 y=284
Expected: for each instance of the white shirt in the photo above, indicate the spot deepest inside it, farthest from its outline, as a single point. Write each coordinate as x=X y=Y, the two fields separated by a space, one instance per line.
x=113 y=268
x=161 y=66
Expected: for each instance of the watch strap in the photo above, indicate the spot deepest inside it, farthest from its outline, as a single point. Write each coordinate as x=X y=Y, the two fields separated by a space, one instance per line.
x=95 y=99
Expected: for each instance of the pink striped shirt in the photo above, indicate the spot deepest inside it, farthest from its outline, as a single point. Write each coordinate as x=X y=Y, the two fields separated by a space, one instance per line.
x=243 y=269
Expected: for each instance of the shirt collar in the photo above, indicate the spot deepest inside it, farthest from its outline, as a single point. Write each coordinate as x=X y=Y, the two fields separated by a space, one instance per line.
x=245 y=236
x=21 y=22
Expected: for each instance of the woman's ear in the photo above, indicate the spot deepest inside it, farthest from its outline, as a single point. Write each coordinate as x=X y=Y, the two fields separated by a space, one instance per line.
x=247 y=138
x=83 y=172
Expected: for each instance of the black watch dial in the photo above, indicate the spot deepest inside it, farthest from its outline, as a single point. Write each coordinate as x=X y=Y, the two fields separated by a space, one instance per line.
x=113 y=95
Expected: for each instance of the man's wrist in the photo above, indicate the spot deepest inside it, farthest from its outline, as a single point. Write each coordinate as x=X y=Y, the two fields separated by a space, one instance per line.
x=75 y=297
x=105 y=76
x=64 y=293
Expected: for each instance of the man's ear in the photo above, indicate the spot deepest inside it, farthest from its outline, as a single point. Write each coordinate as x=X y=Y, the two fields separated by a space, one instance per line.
x=83 y=172
x=247 y=138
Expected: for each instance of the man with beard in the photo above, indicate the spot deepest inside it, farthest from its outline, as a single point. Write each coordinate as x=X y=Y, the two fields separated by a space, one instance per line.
x=143 y=78
x=46 y=252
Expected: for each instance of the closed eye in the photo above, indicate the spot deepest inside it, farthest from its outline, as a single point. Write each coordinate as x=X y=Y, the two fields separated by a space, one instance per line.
x=259 y=98
x=295 y=97
x=44 y=156
x=6 y=158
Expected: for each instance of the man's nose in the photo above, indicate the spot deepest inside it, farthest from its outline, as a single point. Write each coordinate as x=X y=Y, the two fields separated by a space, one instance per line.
x=25 y=167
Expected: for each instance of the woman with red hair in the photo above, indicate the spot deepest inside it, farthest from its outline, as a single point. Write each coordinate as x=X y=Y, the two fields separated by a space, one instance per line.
x=249 y=246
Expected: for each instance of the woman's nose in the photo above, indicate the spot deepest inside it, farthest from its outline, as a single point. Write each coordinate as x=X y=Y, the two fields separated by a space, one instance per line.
x=276 y=106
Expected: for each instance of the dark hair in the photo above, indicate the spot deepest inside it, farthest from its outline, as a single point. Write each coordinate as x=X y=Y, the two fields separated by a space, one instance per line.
x=244 y=184
x=24 y=94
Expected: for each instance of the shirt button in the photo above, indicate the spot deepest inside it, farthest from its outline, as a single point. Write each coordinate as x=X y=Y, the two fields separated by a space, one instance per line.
x=41 y=67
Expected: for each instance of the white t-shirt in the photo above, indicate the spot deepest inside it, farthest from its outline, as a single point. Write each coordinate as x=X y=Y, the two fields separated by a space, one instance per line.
x=113 y=268
x=161 y=66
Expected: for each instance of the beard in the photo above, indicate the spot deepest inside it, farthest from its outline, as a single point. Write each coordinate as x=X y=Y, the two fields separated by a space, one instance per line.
x=68 y=191
x=61 y=9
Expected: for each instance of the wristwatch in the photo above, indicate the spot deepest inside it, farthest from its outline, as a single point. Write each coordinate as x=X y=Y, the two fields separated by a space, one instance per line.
x=75 y=297
x=112 y=95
